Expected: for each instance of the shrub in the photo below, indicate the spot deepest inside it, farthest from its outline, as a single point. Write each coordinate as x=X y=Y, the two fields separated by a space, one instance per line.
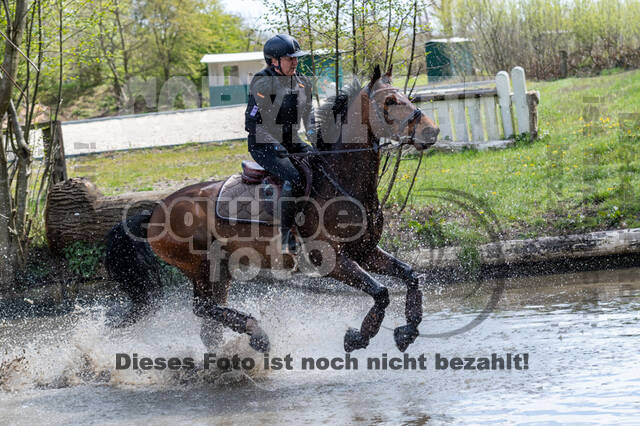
x=595 y=34
x=83 y=258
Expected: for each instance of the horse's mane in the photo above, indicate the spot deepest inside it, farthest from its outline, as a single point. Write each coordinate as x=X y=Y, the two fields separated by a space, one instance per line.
x=327 y=112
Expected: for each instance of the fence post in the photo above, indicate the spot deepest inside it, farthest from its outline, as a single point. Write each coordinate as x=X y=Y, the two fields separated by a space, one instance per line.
x=564 y=69
x=520 y=99
x=489 y=106
x=459 y=119
x=533 y=99
x=52 y=140
x=473 y=106
x=504 y=99
x=444 y=120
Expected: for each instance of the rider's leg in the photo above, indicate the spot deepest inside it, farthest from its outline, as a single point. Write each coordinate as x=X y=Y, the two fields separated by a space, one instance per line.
x=291 y=187
x=287 y=215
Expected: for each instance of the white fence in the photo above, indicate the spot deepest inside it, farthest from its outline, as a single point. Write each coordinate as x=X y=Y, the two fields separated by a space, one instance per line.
x=482 y=118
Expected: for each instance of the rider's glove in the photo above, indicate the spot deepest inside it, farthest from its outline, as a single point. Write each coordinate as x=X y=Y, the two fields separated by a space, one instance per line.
x=281 y=151
x=306 y=148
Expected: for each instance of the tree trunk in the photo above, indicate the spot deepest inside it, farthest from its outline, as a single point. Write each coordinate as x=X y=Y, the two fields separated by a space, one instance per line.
x=413 y=44
x=77 y=211
x=9 y=66
x=286 y=13
x=22 y=182
x=10 y=61
x=6 y=260
x=313 y=59
x=354 y=38
x=386 y=49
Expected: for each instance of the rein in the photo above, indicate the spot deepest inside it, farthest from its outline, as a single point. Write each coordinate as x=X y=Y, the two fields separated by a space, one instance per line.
x=338 y=151
x=381 y=113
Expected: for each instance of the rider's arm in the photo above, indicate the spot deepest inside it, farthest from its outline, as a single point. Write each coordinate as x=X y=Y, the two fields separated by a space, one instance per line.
x=264 y=112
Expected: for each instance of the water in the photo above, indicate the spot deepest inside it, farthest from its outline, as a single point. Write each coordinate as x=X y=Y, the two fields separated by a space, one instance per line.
x=581 y=333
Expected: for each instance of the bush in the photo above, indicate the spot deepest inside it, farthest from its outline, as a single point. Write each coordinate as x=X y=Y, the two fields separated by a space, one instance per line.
x=83 y=259
x=595 y=34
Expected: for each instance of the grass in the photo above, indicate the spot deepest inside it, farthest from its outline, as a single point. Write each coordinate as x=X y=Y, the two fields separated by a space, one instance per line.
x=159 y=168
x=581 y=175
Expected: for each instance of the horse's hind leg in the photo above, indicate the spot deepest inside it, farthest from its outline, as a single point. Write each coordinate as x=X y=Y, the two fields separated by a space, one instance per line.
x=210 y=292
x=351 y=273
x=382 y=262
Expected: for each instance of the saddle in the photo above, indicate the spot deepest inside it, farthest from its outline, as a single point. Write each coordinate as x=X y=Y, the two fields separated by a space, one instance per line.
x=251 y=196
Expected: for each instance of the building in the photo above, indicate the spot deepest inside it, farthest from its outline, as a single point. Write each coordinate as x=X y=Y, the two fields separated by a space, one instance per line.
x=231 y=73
x=448 y=57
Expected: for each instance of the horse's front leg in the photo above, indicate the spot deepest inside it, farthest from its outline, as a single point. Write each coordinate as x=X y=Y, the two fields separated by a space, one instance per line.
x=381 y=262
x=351 y=273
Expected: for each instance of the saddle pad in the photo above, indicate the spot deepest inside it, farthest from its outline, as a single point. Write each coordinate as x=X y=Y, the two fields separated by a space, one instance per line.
x=244 y=203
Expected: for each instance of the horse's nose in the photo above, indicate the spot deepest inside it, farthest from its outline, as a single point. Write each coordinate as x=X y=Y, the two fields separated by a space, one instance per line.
x=430 y=134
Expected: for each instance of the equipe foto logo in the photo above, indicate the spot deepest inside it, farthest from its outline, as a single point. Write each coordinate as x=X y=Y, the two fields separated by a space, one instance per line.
x=476 y=215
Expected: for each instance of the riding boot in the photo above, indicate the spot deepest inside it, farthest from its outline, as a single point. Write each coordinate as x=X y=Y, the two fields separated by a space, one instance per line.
x=288 y=242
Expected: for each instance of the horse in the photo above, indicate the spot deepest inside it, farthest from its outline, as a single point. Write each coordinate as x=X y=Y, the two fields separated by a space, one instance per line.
x=184 y=231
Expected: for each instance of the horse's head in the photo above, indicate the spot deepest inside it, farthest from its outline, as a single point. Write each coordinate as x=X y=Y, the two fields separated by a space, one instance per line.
x=391 y=114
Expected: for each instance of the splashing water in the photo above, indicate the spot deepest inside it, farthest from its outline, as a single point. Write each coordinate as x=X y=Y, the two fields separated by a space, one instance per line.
x=580 y=332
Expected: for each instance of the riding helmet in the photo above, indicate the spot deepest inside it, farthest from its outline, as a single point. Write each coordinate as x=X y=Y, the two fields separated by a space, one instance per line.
x=282 y=45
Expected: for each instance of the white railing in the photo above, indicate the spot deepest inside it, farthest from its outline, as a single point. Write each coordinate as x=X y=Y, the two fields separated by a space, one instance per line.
x=482 y=118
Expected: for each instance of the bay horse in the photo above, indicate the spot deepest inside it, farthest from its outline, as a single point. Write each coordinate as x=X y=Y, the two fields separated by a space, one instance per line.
x=183 y=228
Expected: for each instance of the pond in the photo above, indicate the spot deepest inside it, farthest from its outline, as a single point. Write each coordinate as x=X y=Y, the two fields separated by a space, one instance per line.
x=580 y=332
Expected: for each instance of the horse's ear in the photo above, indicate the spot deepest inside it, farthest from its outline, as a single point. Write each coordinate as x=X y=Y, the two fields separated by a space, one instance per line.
x=376 y=76
x=389 y=71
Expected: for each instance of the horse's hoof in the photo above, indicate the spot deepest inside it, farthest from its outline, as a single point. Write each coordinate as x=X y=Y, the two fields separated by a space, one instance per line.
x=405 y=335
x=259 y=341
x=353 y=339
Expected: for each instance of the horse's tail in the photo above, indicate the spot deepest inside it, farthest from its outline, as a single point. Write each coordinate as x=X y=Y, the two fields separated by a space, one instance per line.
x=130 y=262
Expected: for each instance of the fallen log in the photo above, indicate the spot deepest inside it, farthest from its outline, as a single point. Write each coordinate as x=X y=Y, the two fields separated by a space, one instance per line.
x=77 y=211
x=543 y=249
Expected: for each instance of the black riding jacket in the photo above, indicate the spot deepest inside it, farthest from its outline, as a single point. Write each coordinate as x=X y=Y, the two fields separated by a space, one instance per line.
x=276 y=105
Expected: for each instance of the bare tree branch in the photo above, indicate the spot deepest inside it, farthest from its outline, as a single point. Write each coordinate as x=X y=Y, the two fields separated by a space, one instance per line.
x=11 y=79
x=19 y=50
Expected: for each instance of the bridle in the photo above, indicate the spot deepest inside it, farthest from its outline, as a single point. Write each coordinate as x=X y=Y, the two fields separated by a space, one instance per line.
x=382 y=114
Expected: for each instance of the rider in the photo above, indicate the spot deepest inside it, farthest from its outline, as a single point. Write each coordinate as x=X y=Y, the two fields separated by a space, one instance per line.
x=278 y=98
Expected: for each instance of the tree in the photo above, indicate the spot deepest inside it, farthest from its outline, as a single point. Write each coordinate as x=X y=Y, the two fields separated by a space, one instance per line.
x=117 y=43
x=177 y=32
x=12 y=208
